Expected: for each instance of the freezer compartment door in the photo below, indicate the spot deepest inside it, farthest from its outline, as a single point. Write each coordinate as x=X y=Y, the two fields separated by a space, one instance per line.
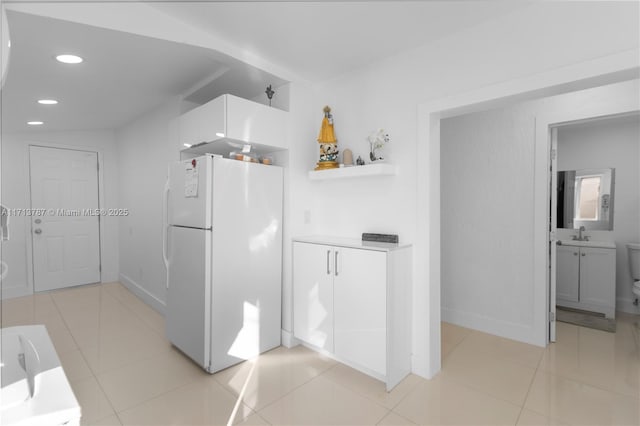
x=189 y=294
x=190 y=196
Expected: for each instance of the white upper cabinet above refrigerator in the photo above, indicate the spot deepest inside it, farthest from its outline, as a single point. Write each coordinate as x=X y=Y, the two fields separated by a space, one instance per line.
x=233 y=121
x=205 y=123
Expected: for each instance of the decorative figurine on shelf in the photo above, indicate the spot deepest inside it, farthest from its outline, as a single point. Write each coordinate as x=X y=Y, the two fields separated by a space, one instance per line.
x=359 y=161
x=328 y=152
x=270 y=92
x=377 y=139
x=347 y=157
x=328 y=143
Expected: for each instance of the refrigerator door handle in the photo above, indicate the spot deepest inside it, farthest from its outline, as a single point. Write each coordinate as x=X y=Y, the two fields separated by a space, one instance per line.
x=165 y=228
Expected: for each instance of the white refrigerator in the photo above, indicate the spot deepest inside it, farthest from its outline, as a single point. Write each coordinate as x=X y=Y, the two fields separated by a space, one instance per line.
x=223 y=251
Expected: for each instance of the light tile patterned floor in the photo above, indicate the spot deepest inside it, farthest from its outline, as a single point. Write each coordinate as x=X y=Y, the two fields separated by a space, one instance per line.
x=124 y=372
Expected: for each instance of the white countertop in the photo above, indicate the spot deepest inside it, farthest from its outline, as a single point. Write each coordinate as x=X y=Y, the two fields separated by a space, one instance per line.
x=350 y=242
x=594 y=244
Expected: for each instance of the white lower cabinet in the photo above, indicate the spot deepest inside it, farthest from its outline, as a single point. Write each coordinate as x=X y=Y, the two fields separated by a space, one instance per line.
x=353 y=302
x=598 y=280
x=313 y=294
x=359 y=307
x=568 y=274
x=586 y=279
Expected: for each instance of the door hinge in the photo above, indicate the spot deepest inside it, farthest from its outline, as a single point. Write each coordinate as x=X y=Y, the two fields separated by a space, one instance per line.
x=553 y=154
x=552 y=236
x=552 y=316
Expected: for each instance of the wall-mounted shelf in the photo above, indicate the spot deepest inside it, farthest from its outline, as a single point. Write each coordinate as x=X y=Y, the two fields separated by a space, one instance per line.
x=382 y=169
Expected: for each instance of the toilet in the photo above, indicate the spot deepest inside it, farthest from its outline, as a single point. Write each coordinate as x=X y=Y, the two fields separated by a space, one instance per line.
x=634 y=263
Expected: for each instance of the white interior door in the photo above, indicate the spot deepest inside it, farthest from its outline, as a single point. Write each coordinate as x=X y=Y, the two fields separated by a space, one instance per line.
x=65 y=228
x=553 y=225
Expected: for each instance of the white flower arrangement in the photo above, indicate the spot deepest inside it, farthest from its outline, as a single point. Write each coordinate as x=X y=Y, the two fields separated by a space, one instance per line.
x=377 y=139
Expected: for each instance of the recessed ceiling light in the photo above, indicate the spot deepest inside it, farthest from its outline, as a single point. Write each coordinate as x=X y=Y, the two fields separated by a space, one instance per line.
x=47 y=101
x=35 y=123
x=69 y=59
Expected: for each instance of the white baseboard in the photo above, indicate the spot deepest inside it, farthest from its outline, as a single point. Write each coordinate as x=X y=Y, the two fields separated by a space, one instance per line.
x=143 y=294
x=508 y=330
x=109 y=278
x=287 y=339
x=13 y=292
x=334 y=357
x=427 y=373
x=626 y=305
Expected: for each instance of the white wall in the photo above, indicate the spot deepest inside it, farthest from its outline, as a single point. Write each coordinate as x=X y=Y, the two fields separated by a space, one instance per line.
x=537 y=39
x=487 y=175
x=145 y=148
x=610 y=143
x=15 y=194
x=301 y=131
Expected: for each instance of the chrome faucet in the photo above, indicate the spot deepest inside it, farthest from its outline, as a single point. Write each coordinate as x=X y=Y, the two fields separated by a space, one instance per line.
x=581 y=237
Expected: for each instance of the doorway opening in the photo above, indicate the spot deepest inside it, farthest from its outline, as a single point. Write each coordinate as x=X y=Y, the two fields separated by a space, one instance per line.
x=593 y=182
x=427 y=309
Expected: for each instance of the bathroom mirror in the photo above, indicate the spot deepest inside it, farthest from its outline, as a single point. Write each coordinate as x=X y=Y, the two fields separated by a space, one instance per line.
x=585 y=198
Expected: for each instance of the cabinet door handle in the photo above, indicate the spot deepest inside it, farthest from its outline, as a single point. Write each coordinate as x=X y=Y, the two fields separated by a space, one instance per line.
x=575 y=253
x=335 y=263
x=583 y=254
x=328 y=265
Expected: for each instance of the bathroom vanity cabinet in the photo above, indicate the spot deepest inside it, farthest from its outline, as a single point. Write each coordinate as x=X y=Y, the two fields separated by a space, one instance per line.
x=352 y=301
x=586 y=277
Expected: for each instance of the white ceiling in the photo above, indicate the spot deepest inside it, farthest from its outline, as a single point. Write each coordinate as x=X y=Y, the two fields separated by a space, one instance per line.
x=323 y=39
x=125 y=75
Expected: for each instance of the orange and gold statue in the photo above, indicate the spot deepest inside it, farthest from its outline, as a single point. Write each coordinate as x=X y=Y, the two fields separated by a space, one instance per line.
x=328 y=143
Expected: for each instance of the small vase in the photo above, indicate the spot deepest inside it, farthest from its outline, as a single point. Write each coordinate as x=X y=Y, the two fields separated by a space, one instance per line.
x=374 y=158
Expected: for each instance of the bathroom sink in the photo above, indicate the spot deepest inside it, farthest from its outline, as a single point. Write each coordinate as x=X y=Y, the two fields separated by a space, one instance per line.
x=16 y=377
x=34 y=388
x=582 y=243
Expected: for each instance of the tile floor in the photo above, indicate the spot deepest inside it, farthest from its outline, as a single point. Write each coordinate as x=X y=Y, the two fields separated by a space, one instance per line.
x=124 y=372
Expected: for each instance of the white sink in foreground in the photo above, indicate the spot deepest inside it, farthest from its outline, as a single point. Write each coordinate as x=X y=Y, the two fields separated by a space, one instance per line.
x=17 y=384
x=595 y=244
x=34 y=390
